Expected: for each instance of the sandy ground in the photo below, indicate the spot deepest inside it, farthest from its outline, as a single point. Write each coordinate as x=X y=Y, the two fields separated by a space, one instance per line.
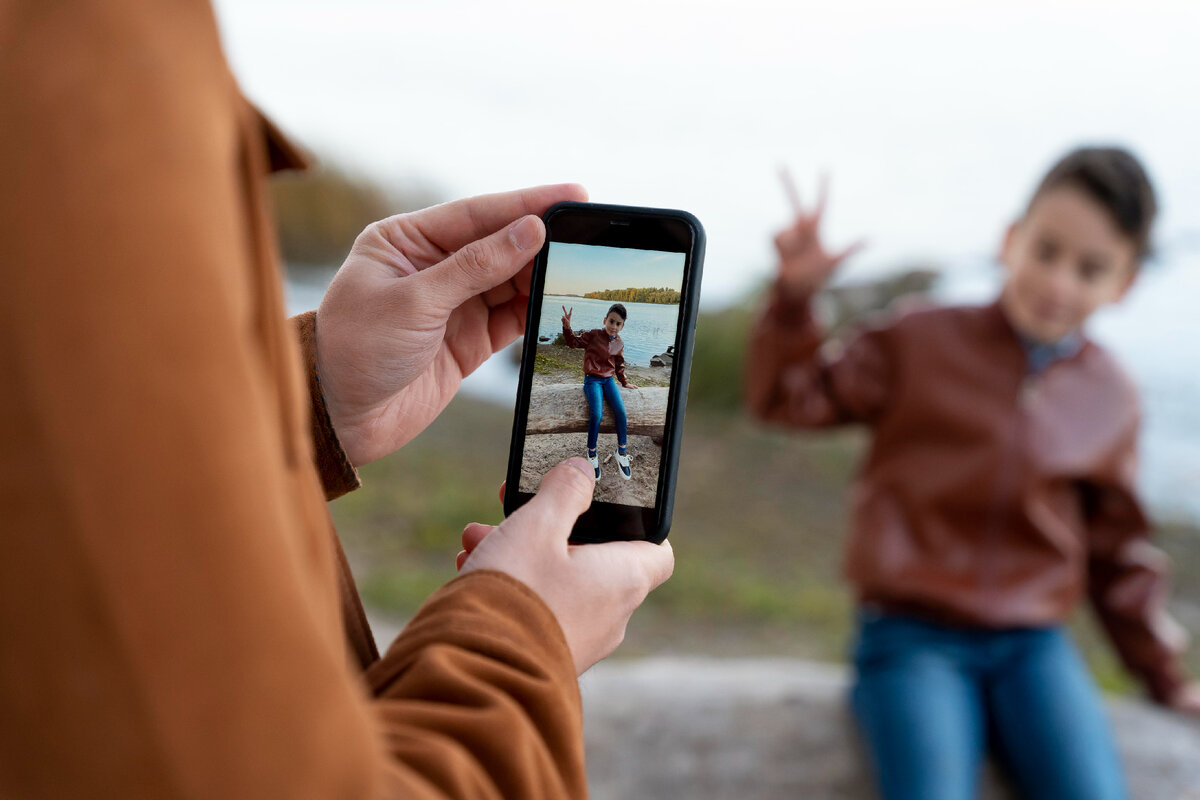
x=544 y=451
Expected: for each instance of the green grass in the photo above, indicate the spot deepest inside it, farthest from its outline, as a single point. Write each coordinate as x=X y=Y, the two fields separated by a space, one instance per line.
x=547 y=364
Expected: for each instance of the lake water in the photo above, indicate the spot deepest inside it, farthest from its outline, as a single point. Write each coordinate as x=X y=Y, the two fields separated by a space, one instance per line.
x=649 y=328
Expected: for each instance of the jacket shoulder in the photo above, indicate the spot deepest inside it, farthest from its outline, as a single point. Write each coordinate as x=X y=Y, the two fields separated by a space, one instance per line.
x=921 y=317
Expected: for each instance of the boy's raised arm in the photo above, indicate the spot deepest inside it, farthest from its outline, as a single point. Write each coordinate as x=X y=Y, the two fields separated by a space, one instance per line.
x=789 y=379
x=569 y=335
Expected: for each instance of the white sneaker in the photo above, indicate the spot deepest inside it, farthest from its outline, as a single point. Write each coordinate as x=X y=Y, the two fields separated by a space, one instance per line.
x=595 y=462
x=623 y=463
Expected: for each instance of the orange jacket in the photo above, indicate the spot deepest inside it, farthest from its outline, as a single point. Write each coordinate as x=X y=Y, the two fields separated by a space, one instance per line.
x=988 y=496
x=176 y=619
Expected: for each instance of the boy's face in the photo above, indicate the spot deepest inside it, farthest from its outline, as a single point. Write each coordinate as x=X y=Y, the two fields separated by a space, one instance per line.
x=613 y=323
x=1065 y=258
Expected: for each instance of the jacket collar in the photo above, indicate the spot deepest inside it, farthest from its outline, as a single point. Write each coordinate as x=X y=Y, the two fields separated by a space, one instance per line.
x=1038 y=355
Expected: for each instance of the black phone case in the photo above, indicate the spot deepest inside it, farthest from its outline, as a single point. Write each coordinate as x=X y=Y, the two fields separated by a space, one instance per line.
x=655 y=525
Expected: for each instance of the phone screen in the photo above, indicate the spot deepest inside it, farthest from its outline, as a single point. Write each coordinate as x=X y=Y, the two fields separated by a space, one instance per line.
x=610 y=311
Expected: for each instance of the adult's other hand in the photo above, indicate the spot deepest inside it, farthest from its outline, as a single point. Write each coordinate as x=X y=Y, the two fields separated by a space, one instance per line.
x=592 y=589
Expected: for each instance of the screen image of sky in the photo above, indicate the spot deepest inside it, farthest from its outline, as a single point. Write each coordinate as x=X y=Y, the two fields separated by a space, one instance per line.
x=581 y=268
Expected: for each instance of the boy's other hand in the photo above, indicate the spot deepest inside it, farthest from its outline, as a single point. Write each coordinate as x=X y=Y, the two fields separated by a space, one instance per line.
x=592 y=589
x=566 y=320
x=421 y=301
x=804 y=263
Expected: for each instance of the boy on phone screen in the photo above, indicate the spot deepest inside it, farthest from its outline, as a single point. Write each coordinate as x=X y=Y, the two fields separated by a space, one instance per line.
x=997 y=492
x=603 y=360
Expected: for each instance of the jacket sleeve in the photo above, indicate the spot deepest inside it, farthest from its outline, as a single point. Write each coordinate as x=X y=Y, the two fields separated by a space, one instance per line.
x=473 y=696
x=791 y=379
x=571 y=339
x=168 y=597
x=1127 y=577
x=619 y=367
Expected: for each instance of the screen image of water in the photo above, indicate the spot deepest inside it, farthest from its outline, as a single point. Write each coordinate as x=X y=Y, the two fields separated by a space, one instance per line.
x=649 y=327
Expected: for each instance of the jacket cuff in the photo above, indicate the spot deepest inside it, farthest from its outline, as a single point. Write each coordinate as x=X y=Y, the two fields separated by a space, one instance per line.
x=489 y=665
x=792 y=323
x=338 y=475
x=493 y=613
x=784 y=301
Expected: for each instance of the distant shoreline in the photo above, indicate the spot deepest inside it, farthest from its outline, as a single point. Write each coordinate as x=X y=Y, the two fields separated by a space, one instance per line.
x=592 y=296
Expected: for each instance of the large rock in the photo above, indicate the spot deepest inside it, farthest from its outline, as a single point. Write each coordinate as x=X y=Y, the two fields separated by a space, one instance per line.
x=562 y=408
x=759 y=729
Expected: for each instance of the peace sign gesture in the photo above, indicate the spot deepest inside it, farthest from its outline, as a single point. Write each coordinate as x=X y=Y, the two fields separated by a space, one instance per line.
x=566 y=320
x=804 y=263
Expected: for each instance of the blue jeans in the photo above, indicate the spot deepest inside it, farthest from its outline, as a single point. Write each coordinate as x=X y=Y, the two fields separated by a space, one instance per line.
x=594 y=389
x=931 y=700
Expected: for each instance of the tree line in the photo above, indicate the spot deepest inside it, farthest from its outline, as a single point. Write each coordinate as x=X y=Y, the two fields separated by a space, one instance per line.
x=632 y=295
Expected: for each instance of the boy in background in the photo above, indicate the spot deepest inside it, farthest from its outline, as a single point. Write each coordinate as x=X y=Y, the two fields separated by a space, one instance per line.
x=998 y=490
x=603 y=366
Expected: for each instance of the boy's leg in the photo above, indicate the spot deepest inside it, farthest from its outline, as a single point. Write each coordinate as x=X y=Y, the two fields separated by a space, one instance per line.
x=613 y=395
x=592 y=392
x=920 y=709
x=1051 y=728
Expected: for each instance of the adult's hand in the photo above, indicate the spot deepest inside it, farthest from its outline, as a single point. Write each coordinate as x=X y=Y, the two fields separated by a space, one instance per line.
x=592 y=589
x=804 y=263
x=421 y=301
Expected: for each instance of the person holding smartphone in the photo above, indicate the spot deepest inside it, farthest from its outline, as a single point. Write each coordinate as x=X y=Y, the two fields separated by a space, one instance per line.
x=997 y=492
x=176 y=614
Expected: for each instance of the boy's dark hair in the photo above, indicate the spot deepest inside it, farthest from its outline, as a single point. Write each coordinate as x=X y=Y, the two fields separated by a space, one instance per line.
x=1114 y=178
x=617 y=307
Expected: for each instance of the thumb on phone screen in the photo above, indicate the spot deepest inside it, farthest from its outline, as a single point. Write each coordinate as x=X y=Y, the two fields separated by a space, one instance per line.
x=592 y=589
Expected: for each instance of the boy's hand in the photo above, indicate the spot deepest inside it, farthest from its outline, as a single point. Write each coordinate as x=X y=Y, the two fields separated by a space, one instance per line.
x=631 y=386
x=804 y=263
x=592 y=589
x=566 y=320
x=421 y=301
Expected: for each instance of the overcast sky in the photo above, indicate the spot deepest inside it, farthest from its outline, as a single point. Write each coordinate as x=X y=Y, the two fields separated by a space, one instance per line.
x=934 y=118
x=581 y=268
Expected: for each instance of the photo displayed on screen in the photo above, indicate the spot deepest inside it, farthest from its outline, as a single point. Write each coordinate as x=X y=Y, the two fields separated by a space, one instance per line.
x=605 y=353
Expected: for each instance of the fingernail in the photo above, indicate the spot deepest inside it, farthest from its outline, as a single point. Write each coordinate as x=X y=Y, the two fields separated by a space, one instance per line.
x=583 y=466
x=523 y=233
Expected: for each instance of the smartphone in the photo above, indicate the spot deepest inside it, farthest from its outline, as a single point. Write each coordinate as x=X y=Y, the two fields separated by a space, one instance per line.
x=612 y=301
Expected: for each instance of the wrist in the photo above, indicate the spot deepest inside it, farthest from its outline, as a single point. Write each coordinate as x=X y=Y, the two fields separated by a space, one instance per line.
x=796 y=289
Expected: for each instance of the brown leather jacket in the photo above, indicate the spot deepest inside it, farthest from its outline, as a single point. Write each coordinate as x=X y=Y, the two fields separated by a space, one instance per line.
x=602 y=357
x=176 y=619
x=988 y=496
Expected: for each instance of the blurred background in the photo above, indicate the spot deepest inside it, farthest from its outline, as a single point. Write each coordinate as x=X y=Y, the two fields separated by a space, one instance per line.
x=934 y=121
